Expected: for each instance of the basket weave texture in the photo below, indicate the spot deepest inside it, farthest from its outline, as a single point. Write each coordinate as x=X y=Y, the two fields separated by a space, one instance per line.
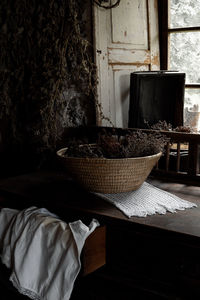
x=109 y=175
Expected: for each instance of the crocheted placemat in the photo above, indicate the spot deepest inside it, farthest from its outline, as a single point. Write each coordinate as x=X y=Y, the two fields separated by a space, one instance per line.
x=147 y=200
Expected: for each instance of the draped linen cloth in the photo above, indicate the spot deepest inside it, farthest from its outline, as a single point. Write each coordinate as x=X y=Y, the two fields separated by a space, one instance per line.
x=147 y=200
x=42 y=251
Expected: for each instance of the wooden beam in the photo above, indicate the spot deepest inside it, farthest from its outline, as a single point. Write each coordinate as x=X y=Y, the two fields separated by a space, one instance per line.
x=184 y=29
x=163 y=33
x=193 y=165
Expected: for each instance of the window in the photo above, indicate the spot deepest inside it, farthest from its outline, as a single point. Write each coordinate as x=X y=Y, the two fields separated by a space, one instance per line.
x=180 y=50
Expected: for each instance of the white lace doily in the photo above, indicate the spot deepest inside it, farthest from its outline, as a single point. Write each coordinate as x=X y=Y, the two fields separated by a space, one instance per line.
x=147 y=200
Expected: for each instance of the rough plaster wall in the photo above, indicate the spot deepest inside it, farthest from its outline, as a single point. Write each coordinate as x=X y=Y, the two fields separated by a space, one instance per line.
x=76 y=110
x=74 y=114
x=77 y=104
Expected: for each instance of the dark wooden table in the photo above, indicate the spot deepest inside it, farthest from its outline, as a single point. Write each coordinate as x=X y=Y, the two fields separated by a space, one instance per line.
x=157 y=257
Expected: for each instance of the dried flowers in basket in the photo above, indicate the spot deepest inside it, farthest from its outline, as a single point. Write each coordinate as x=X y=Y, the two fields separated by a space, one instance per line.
x=114 y=163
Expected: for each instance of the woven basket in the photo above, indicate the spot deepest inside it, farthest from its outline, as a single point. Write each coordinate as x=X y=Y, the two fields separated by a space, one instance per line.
x=109 y=175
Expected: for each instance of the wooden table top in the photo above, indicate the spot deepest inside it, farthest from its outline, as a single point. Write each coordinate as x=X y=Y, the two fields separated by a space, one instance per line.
x=58 y=193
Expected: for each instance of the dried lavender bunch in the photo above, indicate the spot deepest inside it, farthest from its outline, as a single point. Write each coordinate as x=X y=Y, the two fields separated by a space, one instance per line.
x=162 y=125
x=140 y=144
x=111 y=146
x=85 y=150
x=133 y=144
x=186 y=129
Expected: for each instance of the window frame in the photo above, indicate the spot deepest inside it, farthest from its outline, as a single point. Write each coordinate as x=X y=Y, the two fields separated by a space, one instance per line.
x=164 y=33
x=192 y=175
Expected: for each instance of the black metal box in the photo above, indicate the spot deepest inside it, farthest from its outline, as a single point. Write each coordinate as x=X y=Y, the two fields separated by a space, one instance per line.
x=156 y=96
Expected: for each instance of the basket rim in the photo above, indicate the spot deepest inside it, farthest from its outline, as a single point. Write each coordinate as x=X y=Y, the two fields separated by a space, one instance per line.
x=60 y=154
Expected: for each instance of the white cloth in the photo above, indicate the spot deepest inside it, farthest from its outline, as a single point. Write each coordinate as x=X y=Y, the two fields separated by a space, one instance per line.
x=42 y=251
x=147 y=200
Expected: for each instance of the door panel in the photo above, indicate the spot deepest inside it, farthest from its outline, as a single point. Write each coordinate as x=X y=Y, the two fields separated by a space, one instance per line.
x=128 y=56
x=126 y=40
x=121 y=88
x=125 y=18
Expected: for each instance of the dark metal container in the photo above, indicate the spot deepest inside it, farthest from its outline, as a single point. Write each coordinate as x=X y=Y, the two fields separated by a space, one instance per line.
x=156 y=96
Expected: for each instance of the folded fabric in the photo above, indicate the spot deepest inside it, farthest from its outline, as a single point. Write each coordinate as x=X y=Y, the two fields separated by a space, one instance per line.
x=42 y=251
x=147 y=200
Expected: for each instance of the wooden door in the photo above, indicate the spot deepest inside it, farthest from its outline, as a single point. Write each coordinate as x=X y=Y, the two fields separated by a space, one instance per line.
x=125 y=40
